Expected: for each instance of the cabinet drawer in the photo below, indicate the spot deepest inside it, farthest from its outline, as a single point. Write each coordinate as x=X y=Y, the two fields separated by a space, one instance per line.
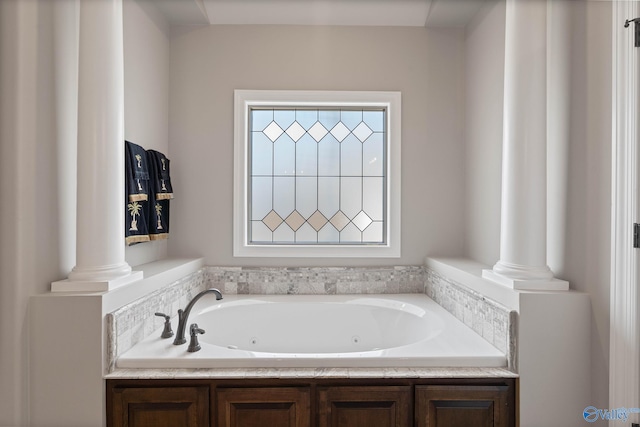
x=462 y=406
x=387 y=406
x=160 y=407
x=249 y=407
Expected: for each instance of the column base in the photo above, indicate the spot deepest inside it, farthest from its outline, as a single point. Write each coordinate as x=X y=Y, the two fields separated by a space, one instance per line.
x=99 y=285
x=526 y=284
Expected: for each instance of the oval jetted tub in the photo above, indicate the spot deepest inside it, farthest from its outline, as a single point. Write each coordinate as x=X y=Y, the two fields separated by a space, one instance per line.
x=320 y=331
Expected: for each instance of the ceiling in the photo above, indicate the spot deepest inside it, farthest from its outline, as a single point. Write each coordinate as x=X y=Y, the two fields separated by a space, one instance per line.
x=415 y=13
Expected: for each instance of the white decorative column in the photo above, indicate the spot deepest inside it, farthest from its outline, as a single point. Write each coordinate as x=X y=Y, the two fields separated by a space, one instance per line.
x=100 y=263
x=523 y=252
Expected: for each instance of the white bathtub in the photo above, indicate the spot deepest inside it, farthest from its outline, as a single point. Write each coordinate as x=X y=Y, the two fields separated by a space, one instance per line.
x=320 y=331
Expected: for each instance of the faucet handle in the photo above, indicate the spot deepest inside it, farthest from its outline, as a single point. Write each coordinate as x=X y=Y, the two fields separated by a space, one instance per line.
x=195 y=330
x=194 y=345
x=167 y=332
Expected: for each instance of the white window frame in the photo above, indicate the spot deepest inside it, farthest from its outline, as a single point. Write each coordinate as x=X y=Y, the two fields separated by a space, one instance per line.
x=245 y=99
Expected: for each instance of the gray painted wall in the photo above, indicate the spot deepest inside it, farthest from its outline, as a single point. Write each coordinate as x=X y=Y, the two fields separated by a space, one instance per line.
x=207 y=64
x=484 y=93
x=146 y=96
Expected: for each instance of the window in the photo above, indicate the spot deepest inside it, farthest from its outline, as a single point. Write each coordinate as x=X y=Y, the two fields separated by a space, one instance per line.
x=317 y=174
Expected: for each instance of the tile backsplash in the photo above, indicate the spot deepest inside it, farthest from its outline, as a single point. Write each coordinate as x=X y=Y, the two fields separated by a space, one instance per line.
x=131 y=323
x=494 y=322
x=317 y=280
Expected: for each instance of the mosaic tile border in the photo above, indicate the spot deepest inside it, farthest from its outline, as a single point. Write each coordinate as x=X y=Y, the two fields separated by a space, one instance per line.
x=494 y=322
x=317 y=280
x=133 y=322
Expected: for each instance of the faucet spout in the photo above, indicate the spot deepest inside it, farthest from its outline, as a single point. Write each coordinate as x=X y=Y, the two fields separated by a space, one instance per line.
x=183 y=315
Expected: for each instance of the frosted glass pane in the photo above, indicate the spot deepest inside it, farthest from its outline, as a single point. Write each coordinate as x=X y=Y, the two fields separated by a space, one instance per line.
x=374 y=119
x=260 y=197
x=295 y=131
x=273 y=131
x=306 y=234
x=261 y=154
x=340 y=132
x=339 y=221
x=362 y=221
x=260 y=119
x=373 y=155
x=351 y=196
x=317 y=131
x=351 y=160
x=284 y=193
x=306 y=195
x=362 y=132
x=328 y=157
x=260 y=232
x=328 y=234
x=295 y=220
x=328 y=196
x=350 y=234
x=317 y=220
x=283 y=234
x=329 y=118
x=306 y=118
x=284 y=118
x=306 y=156
x=351 y=119
x=372 y=198
x=322 y=172
x=373 y=233
x=284 y=156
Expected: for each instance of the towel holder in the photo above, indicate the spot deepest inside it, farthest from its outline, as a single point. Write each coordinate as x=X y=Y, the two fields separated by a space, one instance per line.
x=636 y=27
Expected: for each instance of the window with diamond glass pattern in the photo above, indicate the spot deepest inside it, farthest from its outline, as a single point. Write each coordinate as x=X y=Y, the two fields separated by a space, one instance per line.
x=317 y=176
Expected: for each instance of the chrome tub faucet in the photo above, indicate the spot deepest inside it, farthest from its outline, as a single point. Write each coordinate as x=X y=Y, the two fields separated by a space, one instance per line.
x=183 y=315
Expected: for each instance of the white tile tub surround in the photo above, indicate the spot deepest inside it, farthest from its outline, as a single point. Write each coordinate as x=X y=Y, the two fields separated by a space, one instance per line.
x=130 y=324
x=494 y=322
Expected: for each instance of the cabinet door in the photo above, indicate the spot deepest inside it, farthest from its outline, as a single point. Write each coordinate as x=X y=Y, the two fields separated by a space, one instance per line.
x=462 y=406
x=365 y=406
x=160 y=407
x=273 y=407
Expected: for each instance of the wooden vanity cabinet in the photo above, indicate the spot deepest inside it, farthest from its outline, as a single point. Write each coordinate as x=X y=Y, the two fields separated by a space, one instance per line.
x=391 y=402
x=387 y=406
x=158 y=407
x=257 y=407
x=464 y=405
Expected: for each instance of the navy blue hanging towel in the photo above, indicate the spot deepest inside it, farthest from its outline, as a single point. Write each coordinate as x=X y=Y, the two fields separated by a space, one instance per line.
x=136 y=212
x=160 y=191
x=161 y=183
x=159 y=220
x=138 y=180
